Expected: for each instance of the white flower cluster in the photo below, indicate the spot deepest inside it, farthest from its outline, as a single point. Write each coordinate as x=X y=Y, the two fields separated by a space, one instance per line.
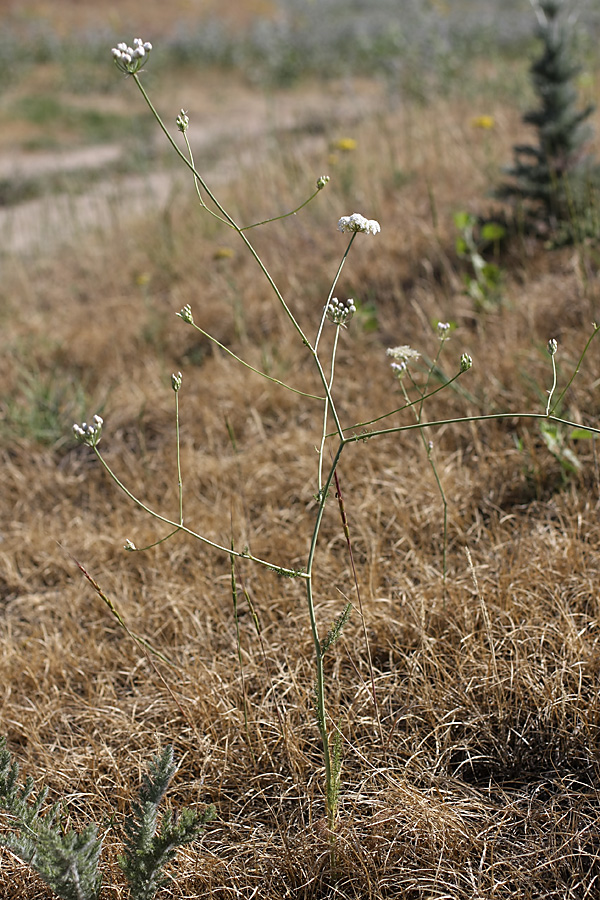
x=403 y=353
x=89 y=434
x=356 y=222
x=402 y=356
x=339 y=312
x=131 y=59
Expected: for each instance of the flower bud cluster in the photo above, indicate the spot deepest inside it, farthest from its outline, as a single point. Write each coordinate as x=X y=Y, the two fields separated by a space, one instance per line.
x=399 y=369
x=89 y=434
x=182 y=121
x=176 y=381
x=443 y=330
x=356 y=222
x=186 y=314
x=465 y=362
x=339 y=312
x=322 y=181
x=131 y=59
x=552 y=346
x=402 y=356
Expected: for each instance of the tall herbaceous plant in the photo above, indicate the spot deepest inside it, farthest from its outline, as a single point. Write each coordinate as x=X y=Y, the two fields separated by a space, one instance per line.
x=336 y=432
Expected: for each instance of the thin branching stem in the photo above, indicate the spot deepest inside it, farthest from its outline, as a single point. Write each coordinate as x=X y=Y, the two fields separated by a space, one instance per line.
x=553 y=388
x=346 y=528
x=320 y=677
x=326 y=409
x=236 y=617
x=197 y=185
x=243 y=362
x=179 y=478
x=284 y=215
x=576 y=369
x=227 y=218
x=331 y=290
x=459 y=420
x=429 y=451
x=230 y=221
x=399 y=409
x=282 y=570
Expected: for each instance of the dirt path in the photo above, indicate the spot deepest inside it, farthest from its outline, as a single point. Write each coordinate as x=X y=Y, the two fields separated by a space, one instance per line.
x=237 y=134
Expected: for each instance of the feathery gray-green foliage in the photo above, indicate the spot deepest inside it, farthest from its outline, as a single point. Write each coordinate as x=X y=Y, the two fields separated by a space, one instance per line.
x=336 y=629
x=146 y=851
x=65 y=859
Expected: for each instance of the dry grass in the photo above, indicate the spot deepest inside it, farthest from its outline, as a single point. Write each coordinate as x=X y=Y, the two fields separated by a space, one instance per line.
x=487 y=782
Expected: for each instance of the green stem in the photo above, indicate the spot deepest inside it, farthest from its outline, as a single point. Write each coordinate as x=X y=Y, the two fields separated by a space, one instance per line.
x=428 y=450
x=252 y=369
x=179 y=479
x=284 y=215
x=154 y=543
x=320 y=677
x=461 y=419
x=331 y=290
x=197 y=184
x=346 y=528
x=553 y=388
x=229 y=220
x=577 y=367
x=418 y=401
x=326 y=409
x=234 y=596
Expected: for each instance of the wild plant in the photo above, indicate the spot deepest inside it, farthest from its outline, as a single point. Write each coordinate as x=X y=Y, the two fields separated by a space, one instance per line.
x=337 y=432
x=555 y=181
x=484 y=282
x=68 y=860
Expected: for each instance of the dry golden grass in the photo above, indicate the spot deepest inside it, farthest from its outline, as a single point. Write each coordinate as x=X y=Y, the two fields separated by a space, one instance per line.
x=486 y=784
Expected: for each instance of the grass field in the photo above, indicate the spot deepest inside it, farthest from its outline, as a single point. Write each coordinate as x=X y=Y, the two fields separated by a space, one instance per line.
x=477 y=774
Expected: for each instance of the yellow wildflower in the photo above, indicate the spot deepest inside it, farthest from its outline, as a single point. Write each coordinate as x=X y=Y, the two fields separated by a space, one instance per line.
x=485 y=122
x=346 y=144
x=223 y=253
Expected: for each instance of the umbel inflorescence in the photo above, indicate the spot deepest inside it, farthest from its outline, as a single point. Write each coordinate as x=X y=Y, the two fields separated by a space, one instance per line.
x=131 y=59
x=89 y=434
x=339 y=312
x=356 y=222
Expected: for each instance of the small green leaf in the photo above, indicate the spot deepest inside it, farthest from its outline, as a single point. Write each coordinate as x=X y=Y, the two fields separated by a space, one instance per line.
x=493 y=231
x=581 y=434
x=491 y=273
x=463 y=220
